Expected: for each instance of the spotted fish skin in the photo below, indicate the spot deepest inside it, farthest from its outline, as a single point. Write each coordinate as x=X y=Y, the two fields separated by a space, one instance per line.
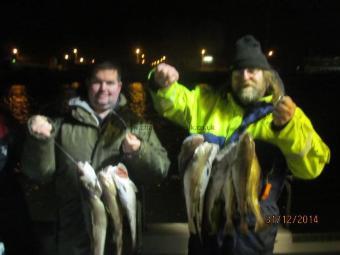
x=90 y=182
x=216 y=188
x=246 y=182
x=195 y=181
x=276 y=87
x=188 y=148
x=111 y=201
x=127 y=196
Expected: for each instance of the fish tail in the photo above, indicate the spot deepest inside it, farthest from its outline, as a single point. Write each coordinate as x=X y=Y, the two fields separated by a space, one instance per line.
x=243 y=225
x=229 y=198
x=252 y=191
x=99 y=224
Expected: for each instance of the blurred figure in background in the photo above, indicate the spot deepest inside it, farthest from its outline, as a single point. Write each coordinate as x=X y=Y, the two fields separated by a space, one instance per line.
x=15 y=230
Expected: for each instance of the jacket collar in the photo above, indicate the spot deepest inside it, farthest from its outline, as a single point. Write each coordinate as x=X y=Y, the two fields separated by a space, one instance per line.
x=82 y=111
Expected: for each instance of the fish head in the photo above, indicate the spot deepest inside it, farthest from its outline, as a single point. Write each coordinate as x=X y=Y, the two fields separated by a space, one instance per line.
x=87 y=173
x=121 y=171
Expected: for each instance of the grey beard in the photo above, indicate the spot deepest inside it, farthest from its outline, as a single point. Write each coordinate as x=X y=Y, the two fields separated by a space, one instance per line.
x=248 y=95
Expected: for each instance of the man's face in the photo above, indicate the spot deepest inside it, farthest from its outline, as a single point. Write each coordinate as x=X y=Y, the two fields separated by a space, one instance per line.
x=248 y=84
x=104 y=90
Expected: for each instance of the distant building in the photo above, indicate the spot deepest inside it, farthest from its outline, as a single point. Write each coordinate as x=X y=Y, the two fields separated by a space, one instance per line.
x=322 y=64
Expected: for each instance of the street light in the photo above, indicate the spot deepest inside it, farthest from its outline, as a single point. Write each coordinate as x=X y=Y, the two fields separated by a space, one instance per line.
x=15 y=51
x=270 y=53
x=208 y=59
x=75 y=52
x=203 y=51
x=66 y=57
x=81 y=60
x=137 y=55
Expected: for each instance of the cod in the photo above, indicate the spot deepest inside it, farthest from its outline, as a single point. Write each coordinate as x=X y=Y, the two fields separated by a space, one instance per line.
x=195 y=162
x=245 y=177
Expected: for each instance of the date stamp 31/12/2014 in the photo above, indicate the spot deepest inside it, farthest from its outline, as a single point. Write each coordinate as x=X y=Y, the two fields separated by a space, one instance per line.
x=291 y=219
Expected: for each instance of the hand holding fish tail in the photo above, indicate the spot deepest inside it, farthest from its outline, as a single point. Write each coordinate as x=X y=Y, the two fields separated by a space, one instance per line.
x=40 y=126
x=165 y=75
x=131 y=143
x=284 y=106
x=283 y=111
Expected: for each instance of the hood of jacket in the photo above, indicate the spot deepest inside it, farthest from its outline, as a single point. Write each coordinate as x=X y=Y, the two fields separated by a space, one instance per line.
x=83 y=112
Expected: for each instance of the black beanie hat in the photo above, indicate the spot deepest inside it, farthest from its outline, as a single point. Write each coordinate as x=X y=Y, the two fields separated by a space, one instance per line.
x=248 y=54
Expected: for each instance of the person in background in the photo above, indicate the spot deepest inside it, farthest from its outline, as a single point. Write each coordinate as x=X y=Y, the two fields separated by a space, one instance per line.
x=15 y=230
x=284 y=135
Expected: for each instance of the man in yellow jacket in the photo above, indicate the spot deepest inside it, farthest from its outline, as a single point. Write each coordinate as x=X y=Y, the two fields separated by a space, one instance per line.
x=285 y=138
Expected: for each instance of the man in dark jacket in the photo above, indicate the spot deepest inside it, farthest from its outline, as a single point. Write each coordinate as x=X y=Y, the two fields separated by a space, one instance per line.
x=101 y=130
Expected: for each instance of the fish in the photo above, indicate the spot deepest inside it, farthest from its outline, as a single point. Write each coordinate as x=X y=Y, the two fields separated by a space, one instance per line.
x=90 y=182
x=195 y=181
x=253 y=187
x=89 y=178
x=276 y=87
x=127 y=196
x=215 y=191
x=113 y=207
x=245 y=176
x=229 y=205
x=188 y=148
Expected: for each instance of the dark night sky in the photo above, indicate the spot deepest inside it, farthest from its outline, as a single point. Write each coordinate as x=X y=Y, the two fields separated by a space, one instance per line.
x=174 y=28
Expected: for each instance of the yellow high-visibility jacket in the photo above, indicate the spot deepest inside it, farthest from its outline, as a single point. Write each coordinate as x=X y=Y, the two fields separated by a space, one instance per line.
x=204 y=110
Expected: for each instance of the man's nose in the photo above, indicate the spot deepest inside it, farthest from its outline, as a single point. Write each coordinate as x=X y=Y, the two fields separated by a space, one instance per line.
x=103 y=85
x=246 y=74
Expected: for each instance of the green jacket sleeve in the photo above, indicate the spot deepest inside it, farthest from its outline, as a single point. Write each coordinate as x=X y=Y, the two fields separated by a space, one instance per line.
x=305 y=152
x=150 y=164
x=176 y=103
x=38 y=156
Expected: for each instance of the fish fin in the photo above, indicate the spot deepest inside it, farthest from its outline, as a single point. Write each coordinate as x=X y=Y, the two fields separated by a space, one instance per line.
x=135 y=189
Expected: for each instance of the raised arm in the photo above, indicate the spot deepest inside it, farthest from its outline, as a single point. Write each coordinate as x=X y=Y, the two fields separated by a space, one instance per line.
x=38 y=156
